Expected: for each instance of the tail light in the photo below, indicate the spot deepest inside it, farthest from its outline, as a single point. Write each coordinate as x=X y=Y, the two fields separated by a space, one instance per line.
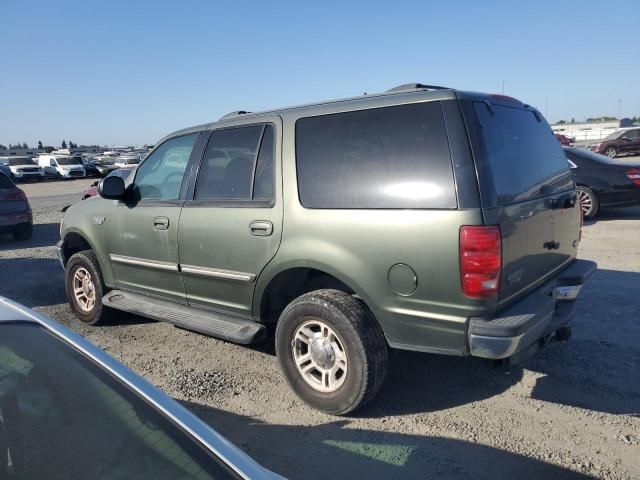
x=14 y=196
x=634 y=175
x=480 y=260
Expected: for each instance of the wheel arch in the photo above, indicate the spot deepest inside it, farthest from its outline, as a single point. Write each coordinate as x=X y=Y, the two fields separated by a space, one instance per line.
x=75 y=241
x=277 y=289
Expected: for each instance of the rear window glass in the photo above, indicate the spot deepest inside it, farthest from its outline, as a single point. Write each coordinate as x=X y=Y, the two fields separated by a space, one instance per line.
x=522 y=151
x=391 y=157
x=5 y=182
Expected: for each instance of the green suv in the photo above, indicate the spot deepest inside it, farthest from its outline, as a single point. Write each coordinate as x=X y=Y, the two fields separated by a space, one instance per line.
x=422 y=218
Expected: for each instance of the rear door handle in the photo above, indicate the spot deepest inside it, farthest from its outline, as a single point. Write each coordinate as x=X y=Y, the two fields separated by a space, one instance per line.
x=160 y=223
x=261 y=228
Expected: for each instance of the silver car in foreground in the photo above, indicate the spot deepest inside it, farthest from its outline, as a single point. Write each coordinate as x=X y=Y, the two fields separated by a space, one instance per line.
x=70 y=411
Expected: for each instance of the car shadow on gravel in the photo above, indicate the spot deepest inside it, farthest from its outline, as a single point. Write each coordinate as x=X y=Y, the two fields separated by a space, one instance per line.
x=615 y=213
x=44 y=235
x=420 y=382
x=336 y=450
x=599 y=368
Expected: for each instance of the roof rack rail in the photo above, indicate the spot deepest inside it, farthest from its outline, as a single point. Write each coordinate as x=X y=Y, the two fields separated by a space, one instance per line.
x=234 y=114
x=416 y=86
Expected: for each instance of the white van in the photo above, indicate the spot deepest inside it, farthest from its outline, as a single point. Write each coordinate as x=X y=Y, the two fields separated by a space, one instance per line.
x=62 y=166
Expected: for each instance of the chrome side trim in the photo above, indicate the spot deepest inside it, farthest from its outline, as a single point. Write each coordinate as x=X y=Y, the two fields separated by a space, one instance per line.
x=140 y=262
x=218 y=273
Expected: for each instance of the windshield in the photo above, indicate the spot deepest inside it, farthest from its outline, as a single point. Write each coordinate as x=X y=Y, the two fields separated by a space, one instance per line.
x=69 y=160
x=613 y=136
x=14 y=162
x=102 y=161
x=70 y=419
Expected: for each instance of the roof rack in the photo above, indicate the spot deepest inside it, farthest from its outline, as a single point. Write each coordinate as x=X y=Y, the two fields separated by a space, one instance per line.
x=234 y=114
x=416 y=86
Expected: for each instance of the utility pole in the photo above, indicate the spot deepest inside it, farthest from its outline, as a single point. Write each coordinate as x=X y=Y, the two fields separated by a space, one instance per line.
x=503 y=82
x=546 y=108
x=619 y=108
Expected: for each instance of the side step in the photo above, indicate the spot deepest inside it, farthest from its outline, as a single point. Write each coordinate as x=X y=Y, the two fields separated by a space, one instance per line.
x=219 y=325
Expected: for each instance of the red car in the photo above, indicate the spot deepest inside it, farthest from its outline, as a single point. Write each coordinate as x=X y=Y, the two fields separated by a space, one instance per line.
x=92 y=190
x=563 y=139
x=15 y=211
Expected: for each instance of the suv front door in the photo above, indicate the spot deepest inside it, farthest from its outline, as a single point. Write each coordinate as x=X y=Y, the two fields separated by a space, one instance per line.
x=145 y=254
x=231 y=225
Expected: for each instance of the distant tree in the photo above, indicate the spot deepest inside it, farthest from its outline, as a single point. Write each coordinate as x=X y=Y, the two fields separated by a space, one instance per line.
x=72 y=145
x=48 y=149
x=63 y=144
x=25 y=146
x=3 y=147
x=561 y=122
x=573 y=120
x=40 y=147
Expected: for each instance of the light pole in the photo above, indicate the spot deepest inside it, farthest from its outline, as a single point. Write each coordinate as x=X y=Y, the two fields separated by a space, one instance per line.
x=503 y=82
x=619 y=108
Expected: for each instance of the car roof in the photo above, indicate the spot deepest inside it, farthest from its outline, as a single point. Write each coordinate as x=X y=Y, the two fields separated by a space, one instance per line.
x=236 y=459
x=398 y=95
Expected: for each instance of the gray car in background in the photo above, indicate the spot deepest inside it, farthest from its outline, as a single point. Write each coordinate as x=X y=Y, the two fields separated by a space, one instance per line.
x=70 y=411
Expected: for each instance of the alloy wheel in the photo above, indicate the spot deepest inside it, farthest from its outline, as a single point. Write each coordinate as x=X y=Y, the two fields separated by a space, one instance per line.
x=84 y=290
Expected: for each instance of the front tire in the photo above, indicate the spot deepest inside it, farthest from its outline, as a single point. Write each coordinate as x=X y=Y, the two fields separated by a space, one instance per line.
x=611 y=152
x=588 y=202
x=332 y=351
x=85 y=288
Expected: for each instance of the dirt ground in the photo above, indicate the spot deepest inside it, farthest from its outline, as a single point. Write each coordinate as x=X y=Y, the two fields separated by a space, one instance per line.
x=570 y=412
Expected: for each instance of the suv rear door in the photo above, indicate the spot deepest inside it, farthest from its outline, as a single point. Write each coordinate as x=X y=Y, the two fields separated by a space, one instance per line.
x=231 y=224
x=526 y=188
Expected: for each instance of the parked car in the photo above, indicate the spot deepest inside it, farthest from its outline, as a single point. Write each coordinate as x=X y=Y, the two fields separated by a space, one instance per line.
x=5 y=168
x=602 y=182
x=62 y=166
x=23 y=168
x=92 y=190
x=422 y=218
x=98 y=167
x=69 y=410
x=127 y=160
x=15 y=211
x=563 y=139
x=625 y=141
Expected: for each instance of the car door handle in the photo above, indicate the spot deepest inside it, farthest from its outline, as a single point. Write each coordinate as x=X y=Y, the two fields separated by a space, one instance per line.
x=261 y=228
x=160 y=223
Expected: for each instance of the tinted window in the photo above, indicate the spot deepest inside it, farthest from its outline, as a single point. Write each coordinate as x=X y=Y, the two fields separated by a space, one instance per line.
x=227 y=170
x=160 y=175
x=393 y=157
x=633 y=134
x=522 y=152
x=264 y=176
x=69 y=160
x=5 y=182
x=14 y=162
x=63 y=417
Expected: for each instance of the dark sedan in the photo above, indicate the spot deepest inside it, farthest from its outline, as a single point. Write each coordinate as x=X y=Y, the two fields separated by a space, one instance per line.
x=602 y=182
x=15 y=211
x=98 y=167
x=625 y=141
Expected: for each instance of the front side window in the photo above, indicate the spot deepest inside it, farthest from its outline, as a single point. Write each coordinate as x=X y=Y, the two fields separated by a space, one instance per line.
x=160 y=176
x=237 y=165
x=390 y=157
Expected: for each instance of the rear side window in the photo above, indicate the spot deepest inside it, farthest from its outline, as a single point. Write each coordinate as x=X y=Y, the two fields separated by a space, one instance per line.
x=523 y=154
x=238 y=165
x=391 y=157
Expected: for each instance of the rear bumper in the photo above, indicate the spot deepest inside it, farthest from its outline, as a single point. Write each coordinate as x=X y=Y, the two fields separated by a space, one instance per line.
x=536 y=316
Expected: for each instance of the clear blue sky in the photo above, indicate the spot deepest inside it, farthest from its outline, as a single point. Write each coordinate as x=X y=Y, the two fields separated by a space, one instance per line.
x=128 y=72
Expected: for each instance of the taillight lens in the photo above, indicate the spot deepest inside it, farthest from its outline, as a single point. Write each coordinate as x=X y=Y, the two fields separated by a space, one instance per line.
x=634 y=175
x=19 y=195
x=480 y=260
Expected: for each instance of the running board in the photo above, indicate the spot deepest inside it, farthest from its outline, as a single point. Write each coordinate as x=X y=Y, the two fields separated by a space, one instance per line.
x=219 y=325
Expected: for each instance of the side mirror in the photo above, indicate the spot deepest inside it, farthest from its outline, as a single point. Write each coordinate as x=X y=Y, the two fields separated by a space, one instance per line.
x=111 y=188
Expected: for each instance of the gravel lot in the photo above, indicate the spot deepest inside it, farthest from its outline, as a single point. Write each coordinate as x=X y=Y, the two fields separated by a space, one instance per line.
x=571 y=412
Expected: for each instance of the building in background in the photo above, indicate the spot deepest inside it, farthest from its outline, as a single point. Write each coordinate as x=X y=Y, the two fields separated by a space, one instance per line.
x=586 y=131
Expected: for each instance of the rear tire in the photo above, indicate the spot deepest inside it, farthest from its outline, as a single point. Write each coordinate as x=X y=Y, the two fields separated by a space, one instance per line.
x=588 y=202
x=611 y=152
x=331 y=350
x=23 y=233
x=85 y=288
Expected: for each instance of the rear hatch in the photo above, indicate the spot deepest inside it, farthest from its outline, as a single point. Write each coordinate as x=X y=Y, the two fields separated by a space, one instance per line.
x=526 y=189
x=12 y=199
